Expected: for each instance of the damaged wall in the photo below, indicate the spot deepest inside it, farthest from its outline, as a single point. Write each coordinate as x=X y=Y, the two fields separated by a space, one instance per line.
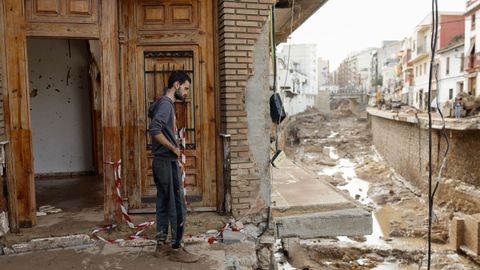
x=243 y=43
x=398 y=142
x=60 y=104
x=258 y=117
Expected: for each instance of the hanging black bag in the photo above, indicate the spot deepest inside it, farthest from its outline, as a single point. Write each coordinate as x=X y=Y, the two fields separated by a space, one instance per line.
x=277 y=112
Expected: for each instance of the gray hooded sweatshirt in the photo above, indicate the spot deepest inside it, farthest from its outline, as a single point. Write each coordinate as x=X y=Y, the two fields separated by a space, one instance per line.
x=162 y=113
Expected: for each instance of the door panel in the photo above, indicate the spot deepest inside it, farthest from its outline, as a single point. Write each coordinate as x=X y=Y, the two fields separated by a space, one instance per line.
x=156 y=64
x=62 y=11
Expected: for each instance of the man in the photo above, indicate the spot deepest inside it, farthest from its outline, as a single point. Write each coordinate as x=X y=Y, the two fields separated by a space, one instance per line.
x=458 y=107
x=166 y=173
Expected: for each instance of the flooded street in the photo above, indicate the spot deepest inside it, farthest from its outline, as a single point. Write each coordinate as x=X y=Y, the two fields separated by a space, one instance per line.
x=339 y=150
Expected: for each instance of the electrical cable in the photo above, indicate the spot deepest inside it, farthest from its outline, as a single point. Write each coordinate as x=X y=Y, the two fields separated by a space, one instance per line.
x=274 y=56
x=433 y=43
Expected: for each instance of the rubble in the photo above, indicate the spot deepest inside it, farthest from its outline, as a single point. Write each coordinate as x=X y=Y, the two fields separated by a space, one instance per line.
x=400 y=209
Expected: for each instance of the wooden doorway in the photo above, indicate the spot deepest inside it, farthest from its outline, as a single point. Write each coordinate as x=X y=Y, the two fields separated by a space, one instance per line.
x=165 y=36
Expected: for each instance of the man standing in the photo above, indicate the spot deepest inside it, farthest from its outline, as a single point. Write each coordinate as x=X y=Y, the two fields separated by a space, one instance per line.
x=458 y=107
x=170 y=203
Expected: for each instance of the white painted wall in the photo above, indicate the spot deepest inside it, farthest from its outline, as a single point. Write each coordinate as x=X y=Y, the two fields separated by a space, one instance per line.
x=298 y=103
x=60 y=113
x=455 y=76
x=303 y=58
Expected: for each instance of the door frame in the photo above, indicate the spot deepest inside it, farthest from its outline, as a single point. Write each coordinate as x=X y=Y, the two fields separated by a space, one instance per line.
x=17 y=107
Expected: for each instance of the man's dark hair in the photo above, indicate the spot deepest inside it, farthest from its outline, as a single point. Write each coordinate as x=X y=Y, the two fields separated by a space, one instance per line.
x=178 y=76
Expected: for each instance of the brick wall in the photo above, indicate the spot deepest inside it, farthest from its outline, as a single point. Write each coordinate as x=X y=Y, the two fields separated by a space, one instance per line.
x=405 y=147
x=240 y=24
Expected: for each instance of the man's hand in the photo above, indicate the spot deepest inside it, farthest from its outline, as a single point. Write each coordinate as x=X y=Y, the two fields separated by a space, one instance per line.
x=177 y=152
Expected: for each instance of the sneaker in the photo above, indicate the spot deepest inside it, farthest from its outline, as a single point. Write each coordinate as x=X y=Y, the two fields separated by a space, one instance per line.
x=182 y=255
x=162 y=250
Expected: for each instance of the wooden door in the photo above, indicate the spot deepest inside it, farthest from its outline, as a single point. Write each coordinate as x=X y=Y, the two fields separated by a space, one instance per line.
x=163 y=36
x=157 y=63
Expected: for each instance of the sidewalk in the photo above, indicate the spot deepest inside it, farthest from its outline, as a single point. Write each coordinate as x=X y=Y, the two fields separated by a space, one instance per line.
x=306 y=206
x=108 y=256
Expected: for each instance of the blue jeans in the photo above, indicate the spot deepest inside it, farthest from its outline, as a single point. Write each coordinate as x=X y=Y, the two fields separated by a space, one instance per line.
x=458 y=111
x=171 y=208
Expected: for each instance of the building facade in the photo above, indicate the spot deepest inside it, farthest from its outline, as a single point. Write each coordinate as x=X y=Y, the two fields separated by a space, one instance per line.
x=452 y=26
x=130 y=48
x=297 y=76
x=472 y=56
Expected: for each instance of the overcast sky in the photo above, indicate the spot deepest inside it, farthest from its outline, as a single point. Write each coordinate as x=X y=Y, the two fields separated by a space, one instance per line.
x=343 y=26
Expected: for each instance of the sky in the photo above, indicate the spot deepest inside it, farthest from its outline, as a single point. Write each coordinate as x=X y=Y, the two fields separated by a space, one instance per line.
x=340 y=27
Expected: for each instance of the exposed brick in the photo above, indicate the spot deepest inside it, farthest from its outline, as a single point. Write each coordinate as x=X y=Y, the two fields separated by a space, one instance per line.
x=247 y=11
x=229 y=4
x=233 y=17
x=236 y=125
x=247 y=23
x=228 y=10
x=245 y=47
x=233 y=41
x=246 y=36
x=235 y=29
x=257 y=18
x=258 y=6
x=236 y=66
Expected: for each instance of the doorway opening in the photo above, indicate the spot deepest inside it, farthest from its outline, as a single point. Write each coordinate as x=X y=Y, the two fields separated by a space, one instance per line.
x=64 y=86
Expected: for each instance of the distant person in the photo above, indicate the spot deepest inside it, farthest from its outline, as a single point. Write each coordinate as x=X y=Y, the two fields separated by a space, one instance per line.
x=458 y=108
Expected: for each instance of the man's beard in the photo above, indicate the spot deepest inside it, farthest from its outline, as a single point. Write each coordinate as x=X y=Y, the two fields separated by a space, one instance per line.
x=179 y=96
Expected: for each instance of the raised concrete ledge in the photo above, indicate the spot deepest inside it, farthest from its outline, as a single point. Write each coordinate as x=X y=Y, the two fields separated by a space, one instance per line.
x=345 y=222
x=422 y=119
x=307 y=206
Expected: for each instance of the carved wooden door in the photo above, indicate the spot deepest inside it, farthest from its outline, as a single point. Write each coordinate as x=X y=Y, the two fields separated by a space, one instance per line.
x=177 y=35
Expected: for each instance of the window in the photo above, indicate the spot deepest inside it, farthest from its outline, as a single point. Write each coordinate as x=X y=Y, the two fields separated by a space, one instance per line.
x=447 y=67
x=416 y=71
x=473 y=22
x=462 y=62
x=450 y=93
x=424 y=68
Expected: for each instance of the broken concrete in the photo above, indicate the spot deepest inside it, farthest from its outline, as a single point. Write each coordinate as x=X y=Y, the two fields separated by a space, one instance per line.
x=52 y=243
x=306 y=206
x=346 y=222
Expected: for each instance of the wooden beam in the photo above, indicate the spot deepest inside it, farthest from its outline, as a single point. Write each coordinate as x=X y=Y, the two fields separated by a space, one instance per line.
x=17 y=116
x=110 y=104
x=63 y=30
x=131 y=141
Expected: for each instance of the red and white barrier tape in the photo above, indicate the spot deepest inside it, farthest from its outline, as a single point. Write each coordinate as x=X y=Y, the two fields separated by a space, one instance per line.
x=117 y=172
x=183 y=162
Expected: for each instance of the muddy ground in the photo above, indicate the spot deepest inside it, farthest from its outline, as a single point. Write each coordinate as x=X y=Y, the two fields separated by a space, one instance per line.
x=339 y=147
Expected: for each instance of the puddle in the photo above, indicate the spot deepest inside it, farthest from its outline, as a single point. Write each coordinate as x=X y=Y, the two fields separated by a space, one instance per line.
x=358 y=189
